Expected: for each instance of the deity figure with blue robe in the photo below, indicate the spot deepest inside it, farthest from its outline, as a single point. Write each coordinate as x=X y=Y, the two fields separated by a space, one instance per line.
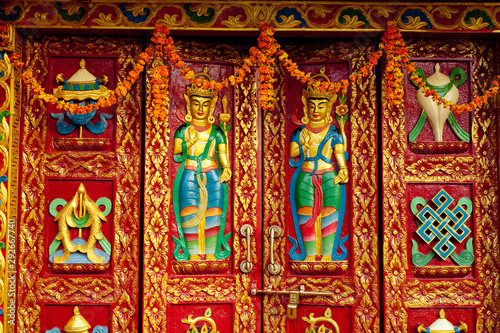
x=317 y=190
x=200 y=187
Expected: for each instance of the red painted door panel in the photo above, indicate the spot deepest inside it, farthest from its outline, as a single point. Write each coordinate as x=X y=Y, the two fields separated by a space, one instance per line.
x=96 y=169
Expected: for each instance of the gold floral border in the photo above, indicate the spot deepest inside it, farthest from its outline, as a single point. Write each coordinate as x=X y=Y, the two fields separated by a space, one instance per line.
x=246 y=141
x=480 y=169
x=275 y=194
x=122 y=289
x=248 y=15
x=361 y=291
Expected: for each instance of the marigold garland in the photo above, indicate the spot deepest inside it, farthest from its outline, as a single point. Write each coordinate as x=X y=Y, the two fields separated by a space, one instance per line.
x=265 y=55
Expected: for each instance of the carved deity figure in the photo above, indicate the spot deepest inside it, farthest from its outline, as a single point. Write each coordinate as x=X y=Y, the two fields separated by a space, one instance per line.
x=200 y=188
x=317 y=193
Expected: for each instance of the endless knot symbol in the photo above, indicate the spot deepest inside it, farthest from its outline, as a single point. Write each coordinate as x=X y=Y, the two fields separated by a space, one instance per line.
x=444 y=223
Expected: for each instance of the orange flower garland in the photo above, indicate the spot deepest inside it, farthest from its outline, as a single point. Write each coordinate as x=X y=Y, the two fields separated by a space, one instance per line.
x=265 y=54
x=160 y=85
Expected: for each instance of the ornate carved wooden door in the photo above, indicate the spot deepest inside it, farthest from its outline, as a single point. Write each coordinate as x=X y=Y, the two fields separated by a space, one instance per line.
x=251 y=223
x=79 y=193
x=265 y=279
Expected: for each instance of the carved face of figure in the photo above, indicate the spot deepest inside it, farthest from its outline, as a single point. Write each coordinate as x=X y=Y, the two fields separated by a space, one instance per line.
x=200 y=107
x=317 y=109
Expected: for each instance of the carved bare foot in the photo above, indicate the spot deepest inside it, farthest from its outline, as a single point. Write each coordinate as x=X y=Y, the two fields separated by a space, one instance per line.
x=310 y=258
x=210 y=257
x=194 y=257
x=326 y=258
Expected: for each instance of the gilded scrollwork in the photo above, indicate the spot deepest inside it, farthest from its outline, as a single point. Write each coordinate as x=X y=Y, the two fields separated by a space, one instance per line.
x=200 y=290
x=248 y=15
x=443 y=169
x=245 y=184
x=426 y=294
x=123 y=166
x=75 y=290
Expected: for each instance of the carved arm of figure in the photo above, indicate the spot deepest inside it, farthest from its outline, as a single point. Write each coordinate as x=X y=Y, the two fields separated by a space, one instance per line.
x=224 y=161
x=343 y=175
x=295 y=148
x=193 y=137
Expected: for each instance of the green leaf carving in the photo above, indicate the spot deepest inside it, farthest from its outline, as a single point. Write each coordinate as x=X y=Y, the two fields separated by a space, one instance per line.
x=466 y=257
x=418 y=258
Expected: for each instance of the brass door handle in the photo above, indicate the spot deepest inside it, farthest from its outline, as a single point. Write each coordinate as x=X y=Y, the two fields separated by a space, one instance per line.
x=293 y=302
x=273 y=268
x=246 y=266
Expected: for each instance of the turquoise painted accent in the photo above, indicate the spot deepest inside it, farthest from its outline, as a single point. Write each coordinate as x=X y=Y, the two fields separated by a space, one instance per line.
x=78 y=257
x=436 y=223
x=286 y=12
x=14 y=14
x=130 y=15
x=54 y=330
x=100 y=329
x=413 y=13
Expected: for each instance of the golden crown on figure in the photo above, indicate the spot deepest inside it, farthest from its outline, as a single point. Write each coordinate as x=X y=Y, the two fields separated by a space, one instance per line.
x=193 y=90
x=313 y=91
x=317 y=91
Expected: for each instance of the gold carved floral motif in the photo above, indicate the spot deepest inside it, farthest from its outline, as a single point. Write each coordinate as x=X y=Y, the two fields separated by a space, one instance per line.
x=76 y=290
x=274 y=199
x=245 y=185
x=156 y=228
x=200 y=290
x=425 y=294
x=123 y=165
x=441 y=169
x=480 y=169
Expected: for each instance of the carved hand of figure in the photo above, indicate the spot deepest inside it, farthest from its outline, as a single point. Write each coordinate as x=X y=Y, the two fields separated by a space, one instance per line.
x=308 y=140
x=226 y=175
x=342 y=177
x=193 y=137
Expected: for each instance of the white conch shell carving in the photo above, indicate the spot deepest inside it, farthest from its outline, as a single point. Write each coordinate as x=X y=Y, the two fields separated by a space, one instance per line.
x=437 y=114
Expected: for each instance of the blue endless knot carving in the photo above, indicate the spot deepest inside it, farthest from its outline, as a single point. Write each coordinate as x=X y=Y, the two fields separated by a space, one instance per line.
x=443 y=224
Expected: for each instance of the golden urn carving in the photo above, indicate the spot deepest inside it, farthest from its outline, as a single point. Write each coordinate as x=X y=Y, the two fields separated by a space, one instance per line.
x=77 y=324
x=437 y=113
x=442 y=325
